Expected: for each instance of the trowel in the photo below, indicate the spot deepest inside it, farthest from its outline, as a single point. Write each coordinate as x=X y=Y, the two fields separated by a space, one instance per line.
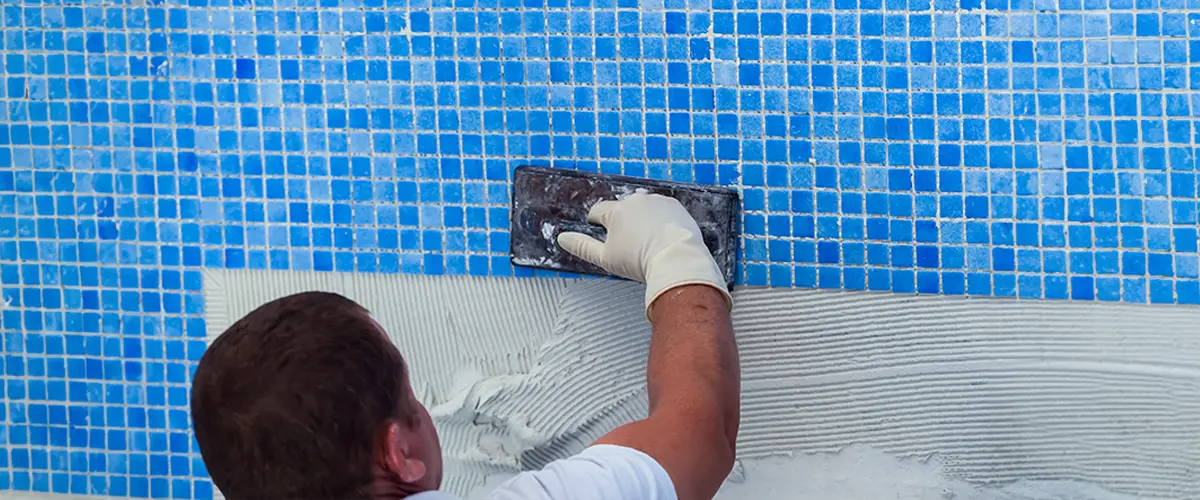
x=548 y=201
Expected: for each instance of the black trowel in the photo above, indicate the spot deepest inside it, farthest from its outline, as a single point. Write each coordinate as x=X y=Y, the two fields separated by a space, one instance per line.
x=549 y=201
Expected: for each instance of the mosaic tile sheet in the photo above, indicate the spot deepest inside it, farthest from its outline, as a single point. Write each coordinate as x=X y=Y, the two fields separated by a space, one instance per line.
x=1015 y=148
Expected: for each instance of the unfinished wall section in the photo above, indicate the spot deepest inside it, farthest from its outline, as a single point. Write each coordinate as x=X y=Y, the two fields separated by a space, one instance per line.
x=846 y=394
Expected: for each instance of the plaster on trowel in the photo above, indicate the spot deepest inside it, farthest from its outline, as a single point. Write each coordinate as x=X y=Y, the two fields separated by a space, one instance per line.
x=548 y=201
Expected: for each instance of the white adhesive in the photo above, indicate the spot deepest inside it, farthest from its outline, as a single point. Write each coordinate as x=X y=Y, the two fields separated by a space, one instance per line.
x=845 y=395
x=1004 y=390
x=863 y=473
x=539 y=262
x=622 y=192
x=450 y=331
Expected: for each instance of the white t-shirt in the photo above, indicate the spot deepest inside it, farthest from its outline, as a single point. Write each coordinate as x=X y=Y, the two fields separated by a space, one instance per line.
x=601 y=472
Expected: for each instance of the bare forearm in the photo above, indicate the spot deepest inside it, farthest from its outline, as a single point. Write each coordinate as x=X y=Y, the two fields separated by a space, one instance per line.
x=692 y=375
x=693 y=358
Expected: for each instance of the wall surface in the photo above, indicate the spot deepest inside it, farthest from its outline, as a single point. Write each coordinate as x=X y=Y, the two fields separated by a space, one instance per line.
x=1036 y=149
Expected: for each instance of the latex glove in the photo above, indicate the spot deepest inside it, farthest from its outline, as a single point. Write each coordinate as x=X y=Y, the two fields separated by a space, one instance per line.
x=651 y=239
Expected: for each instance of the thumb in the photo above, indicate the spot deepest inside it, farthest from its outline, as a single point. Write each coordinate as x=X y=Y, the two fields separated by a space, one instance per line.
x=582 y=246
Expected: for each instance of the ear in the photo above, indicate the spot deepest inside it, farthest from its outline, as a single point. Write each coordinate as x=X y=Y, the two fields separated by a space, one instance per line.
x=396 y=455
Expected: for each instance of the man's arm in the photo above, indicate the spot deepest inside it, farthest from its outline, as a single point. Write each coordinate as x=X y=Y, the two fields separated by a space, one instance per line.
x=693 y=374
x=693 y=382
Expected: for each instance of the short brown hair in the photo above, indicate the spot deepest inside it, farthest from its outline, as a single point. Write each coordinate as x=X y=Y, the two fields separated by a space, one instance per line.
x=290 y=400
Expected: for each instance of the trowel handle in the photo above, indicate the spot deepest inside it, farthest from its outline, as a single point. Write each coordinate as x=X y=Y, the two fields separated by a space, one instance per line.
x=594 y=230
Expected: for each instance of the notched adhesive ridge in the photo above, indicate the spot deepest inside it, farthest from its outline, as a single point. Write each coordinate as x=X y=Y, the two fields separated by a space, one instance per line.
x=1038 y=400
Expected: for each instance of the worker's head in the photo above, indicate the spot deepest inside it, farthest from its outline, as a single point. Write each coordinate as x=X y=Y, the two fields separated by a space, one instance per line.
x=305 y=397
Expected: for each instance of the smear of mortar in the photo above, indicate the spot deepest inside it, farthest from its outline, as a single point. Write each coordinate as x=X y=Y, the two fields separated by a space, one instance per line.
x=588 y=379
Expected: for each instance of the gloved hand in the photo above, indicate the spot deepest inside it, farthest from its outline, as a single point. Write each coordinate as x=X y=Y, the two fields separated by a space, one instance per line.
x=651 y=239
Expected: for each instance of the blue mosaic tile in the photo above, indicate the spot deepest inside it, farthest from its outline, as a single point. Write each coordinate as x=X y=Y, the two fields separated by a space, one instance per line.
x=1034 y=150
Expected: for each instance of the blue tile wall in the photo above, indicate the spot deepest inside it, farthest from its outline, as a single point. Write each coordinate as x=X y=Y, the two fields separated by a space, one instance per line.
x=1013 y=148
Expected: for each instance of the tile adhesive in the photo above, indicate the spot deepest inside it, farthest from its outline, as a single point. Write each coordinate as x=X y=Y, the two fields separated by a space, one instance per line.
x=845 y=395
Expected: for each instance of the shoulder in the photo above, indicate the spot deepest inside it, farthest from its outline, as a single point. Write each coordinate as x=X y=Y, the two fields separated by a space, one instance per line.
x=601 y=472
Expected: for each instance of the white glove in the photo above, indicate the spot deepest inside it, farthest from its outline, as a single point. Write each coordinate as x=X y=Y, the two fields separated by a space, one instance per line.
x=651 y=239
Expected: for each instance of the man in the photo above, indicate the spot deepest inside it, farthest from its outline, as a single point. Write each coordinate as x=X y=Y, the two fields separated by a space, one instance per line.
x=305 y=397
